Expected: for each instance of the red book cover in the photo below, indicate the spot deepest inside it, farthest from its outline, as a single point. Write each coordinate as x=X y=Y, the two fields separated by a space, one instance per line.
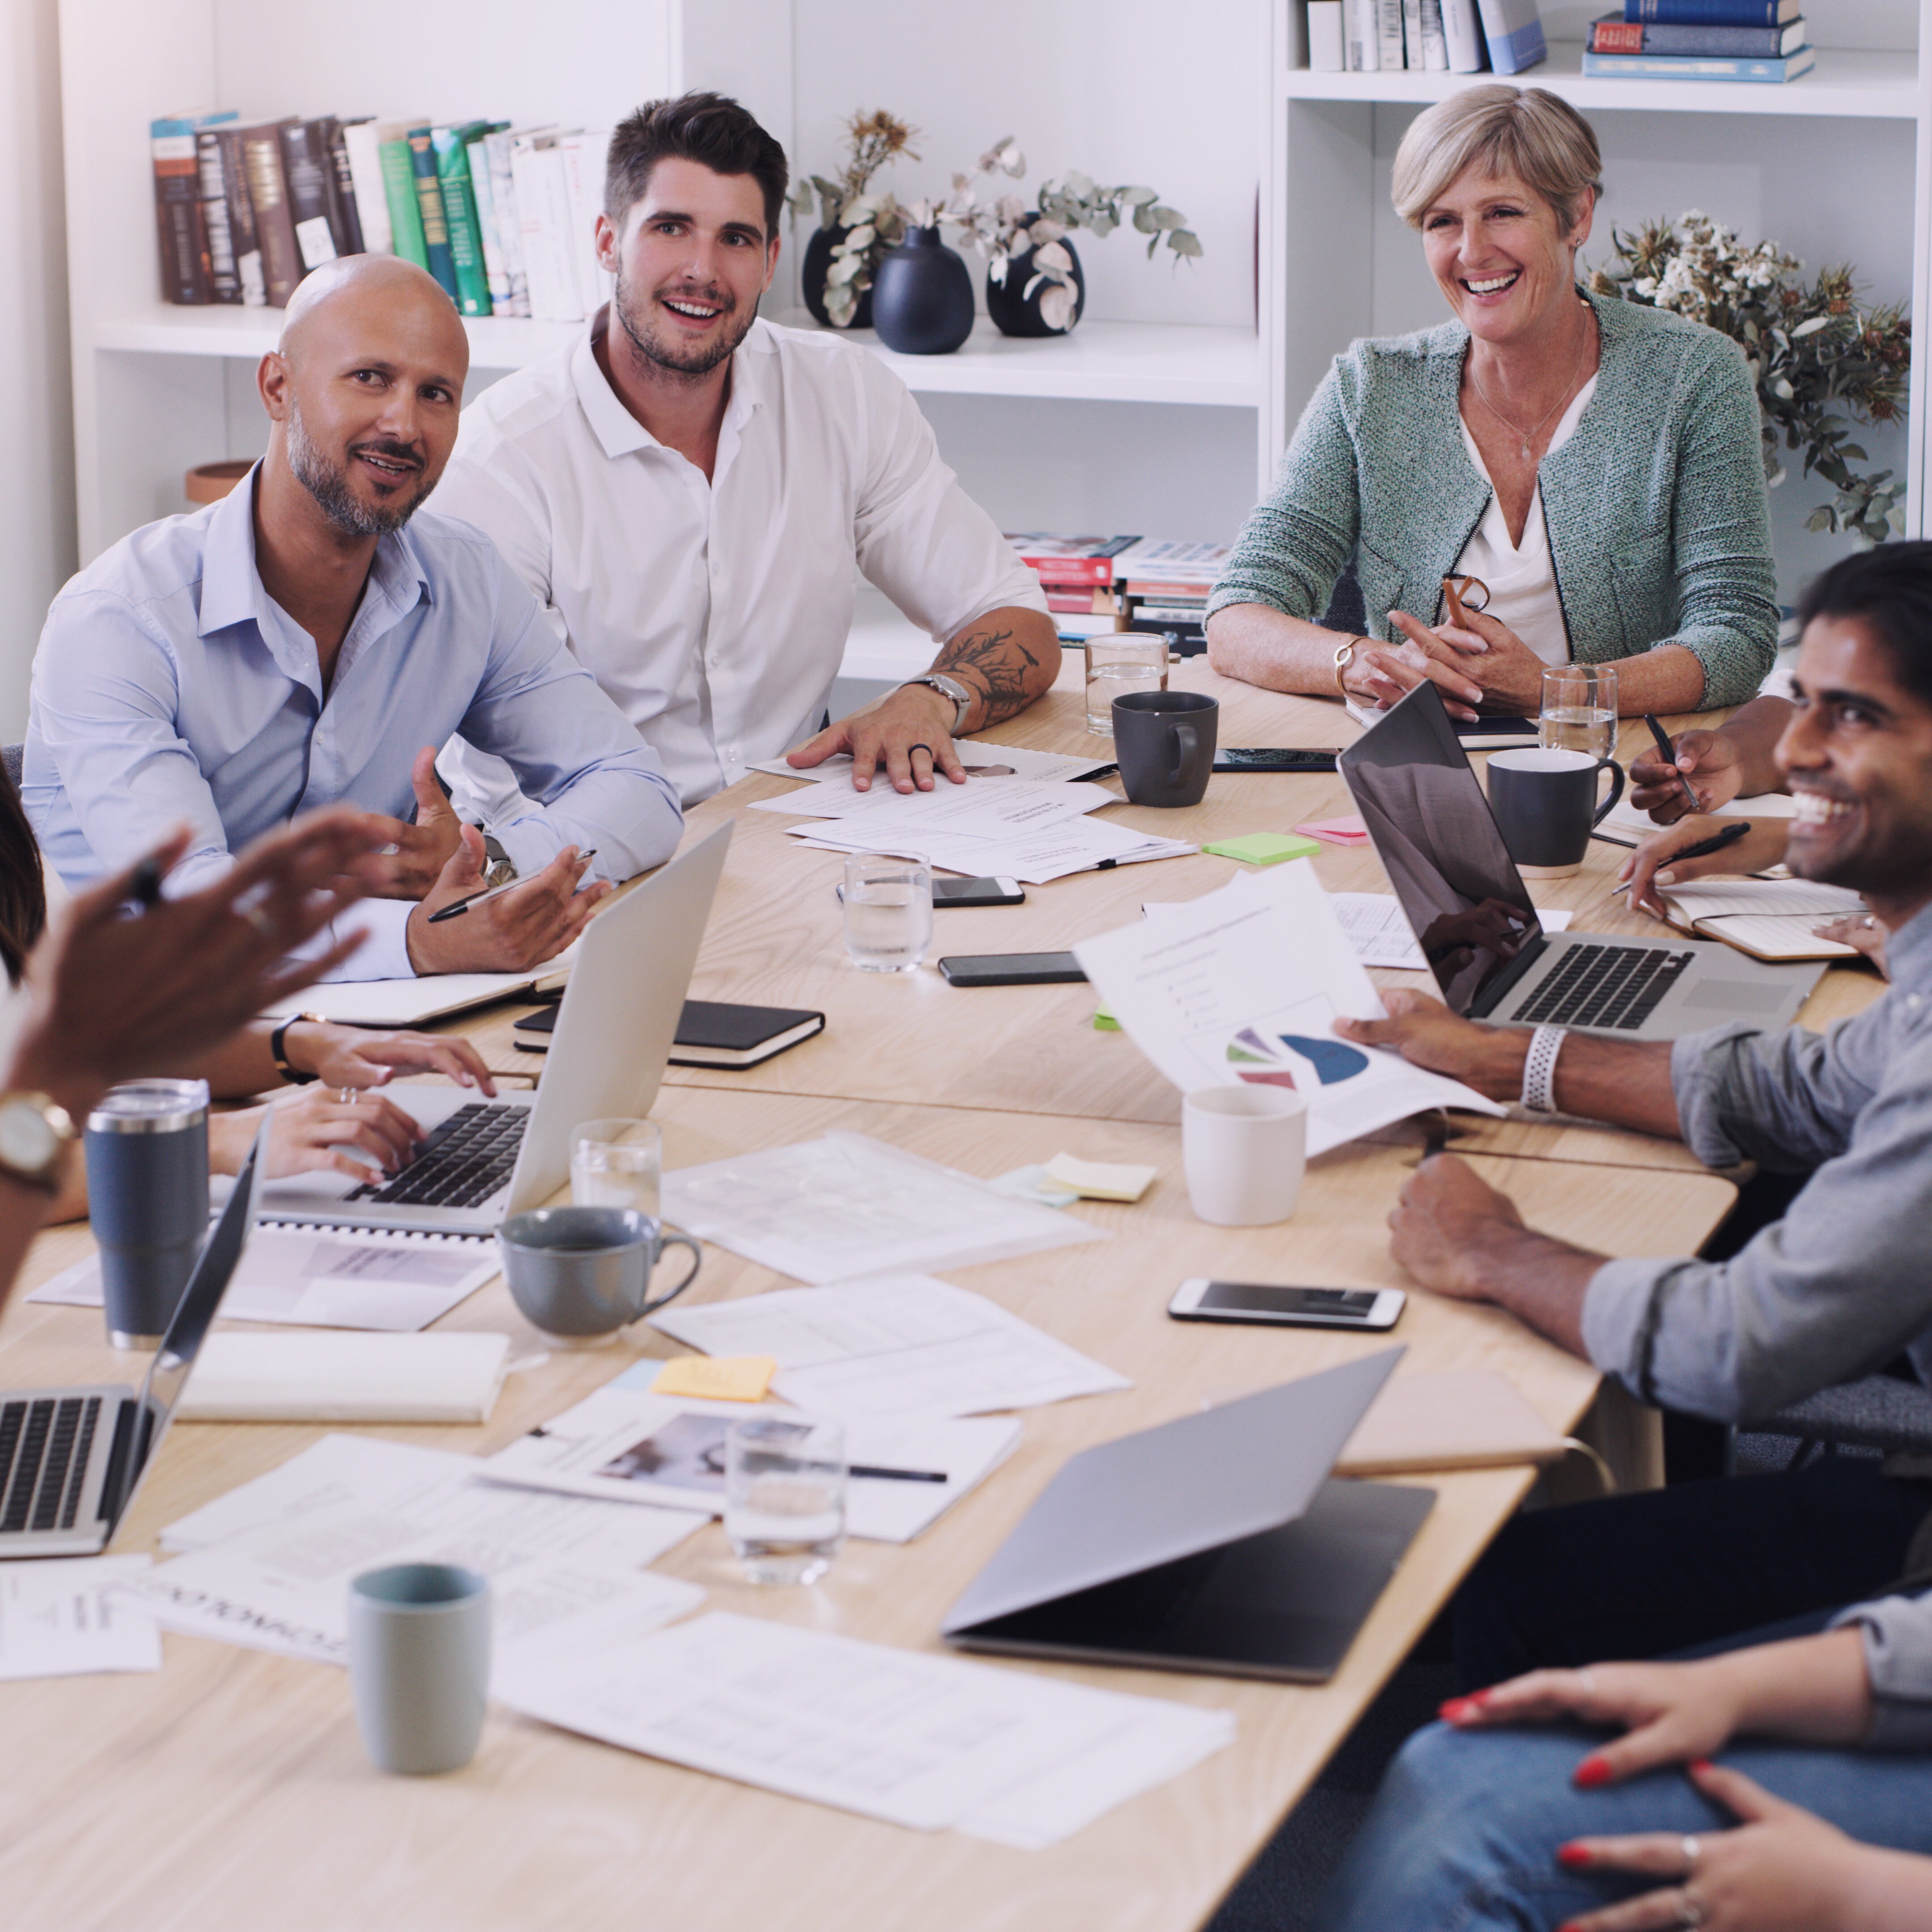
x=1616 y=36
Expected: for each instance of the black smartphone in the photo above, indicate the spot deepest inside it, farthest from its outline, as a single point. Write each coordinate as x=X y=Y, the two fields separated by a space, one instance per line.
x=1203 y=1300
x=1272 y=758
x=977 y=892
x=1011 y=969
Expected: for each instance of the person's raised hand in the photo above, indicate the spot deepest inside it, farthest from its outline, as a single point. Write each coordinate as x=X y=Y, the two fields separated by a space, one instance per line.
x=1782 y=1870
x=511 y=933
x=422 y=850
x=315 y=1132
x=113 y=997
x=1426 y=1033
x=1444 y=1213
x=1655 y=864
x=908 y=733
x=347 y=1056
x=1708 y=762
x=1485 y=653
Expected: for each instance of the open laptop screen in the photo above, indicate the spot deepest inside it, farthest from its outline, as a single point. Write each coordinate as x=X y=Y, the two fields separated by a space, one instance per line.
x=1432 y=831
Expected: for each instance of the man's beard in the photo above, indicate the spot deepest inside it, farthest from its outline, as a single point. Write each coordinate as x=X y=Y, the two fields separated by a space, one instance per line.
x=328 y=483
x=663 y=355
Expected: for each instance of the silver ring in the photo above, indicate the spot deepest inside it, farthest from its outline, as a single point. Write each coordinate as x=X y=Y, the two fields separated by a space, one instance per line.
x=346 y=1096
x=1692 y=1851
x=1690 y=1913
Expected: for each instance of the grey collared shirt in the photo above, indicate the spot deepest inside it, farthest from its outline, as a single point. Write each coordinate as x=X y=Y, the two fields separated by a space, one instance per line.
x=1843 y=1281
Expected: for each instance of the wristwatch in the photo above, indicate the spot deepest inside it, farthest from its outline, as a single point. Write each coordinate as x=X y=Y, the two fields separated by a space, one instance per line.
x=35 y=1130
x=946 y=687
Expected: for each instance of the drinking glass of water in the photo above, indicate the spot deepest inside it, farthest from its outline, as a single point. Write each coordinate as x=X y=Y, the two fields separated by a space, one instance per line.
x=888 y=912
x=784 y=1496
x=1579 y=710
x=1118 y=662
x=617 y=1164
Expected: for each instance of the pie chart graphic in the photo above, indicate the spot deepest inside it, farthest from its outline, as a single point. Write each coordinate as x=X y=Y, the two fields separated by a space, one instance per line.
x=1332 y=1062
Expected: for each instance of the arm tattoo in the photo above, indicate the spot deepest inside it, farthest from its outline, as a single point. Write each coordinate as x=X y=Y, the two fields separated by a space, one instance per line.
x=992 y=661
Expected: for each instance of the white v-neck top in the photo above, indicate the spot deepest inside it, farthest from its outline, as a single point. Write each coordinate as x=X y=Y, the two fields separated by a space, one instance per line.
x=1521 y=578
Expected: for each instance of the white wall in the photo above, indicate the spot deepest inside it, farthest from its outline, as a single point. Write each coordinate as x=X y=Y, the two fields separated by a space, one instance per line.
x=37 y=513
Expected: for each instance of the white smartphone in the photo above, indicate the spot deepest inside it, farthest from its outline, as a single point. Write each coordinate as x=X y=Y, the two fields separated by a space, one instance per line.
x=1202 y=1300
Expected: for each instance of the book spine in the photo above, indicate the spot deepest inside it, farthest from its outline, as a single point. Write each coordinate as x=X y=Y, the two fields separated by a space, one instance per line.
x=1364 y=41
x=1628 y=37
x=348 y=215
x=1388 y=36
x=509 y=231
x=1705 y=13
x=584 y=158
x=1070 y=569
x=1513 y=30
x=247 y=251
x=275 y=226
x=484 y=189
x=1411 y=35
x=372 y=199
x=459 y=211
x=541 y=207
x=1435 y=43
x=1327 y=37
x=1678 y=67
x=188 y=276
x=224 y=279
x=305 y=170
x=429 y=201
x=399 y=190
x=1462 y=34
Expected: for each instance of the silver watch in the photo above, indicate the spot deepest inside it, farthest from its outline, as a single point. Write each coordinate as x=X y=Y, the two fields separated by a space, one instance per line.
x=35 y=1130
x=947 y=687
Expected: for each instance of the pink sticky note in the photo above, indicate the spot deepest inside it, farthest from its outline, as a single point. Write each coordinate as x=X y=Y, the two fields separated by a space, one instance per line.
x=1337 y=831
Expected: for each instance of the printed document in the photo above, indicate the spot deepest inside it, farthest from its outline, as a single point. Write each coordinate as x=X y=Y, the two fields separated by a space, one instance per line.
x=847 y=1205
x=1244 y=985
x=1037 y=857
x=917 y=1740
x=65 y=1616
x=634 y=1447
x=983 y=763
x=895 y=1345
x=984 y=810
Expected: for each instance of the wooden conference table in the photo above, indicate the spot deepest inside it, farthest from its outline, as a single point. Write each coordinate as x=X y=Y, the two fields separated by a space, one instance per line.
x=229 y=1792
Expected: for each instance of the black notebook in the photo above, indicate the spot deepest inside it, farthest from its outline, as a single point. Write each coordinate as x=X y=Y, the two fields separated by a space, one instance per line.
x=710 y=1033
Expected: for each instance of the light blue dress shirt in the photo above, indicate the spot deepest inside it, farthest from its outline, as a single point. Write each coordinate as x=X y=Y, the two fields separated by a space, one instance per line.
x=170 y=686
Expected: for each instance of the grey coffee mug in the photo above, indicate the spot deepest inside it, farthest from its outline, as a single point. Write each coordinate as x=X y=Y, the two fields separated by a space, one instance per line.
x=419 y=1664
x=1164 y=742
x=1544 y=801
x=580 y=1274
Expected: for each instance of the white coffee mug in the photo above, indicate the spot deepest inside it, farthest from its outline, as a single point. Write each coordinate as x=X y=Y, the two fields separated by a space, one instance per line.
x=1244 y=1149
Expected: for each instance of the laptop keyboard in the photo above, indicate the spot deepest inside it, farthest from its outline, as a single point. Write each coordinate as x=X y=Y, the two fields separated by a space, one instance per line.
x=463 y=1163
x=44 y=1447
x=1615 y=988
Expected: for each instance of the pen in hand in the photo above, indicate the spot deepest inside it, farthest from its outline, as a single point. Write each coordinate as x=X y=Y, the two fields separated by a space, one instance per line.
x=144 y=889
x=1702 y=849
x=1670 y=757
x=462 y=906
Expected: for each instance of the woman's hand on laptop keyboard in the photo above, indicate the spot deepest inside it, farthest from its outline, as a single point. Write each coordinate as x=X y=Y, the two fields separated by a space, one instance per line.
x=321 y=1130
x=347 y=1056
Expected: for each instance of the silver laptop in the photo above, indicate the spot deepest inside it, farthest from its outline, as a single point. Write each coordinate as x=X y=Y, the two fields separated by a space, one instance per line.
x=1466 y=904
x=1216 y=1542
x=71 y=1459
x=484 y=1159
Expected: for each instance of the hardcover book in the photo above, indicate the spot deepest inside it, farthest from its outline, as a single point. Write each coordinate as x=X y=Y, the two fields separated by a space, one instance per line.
x=399 y=190
x=345 y=213
x=1680 y=66
x=1714 y=13
x=186 y=273
x=1614 y=35
x=363 y=141
x=242 y=239
x=429 y=202
x=308 y=174
x=274 y=222
x=459 y=209
x=1513 y=30
x=224 y=277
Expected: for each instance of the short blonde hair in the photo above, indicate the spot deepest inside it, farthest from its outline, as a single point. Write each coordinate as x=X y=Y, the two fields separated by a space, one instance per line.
x=1528 y=132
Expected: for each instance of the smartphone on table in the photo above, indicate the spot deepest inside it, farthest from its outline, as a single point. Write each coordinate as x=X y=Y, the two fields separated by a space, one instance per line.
x=1272 y=758
x=1011 y=969
x=1201 y=1299
x=977 y=892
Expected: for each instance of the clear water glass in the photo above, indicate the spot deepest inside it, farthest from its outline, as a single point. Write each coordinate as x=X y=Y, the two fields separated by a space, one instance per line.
x=784 y=1496
x=1118 y=663
x=617 y=1164
x=888 y=912
x=1579 y=710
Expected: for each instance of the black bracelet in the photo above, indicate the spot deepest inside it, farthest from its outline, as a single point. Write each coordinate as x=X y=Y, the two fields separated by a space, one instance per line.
x=280 y=1057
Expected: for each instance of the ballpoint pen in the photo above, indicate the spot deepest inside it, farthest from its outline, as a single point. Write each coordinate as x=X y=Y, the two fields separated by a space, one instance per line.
x=1702 y=849
x=1670 y=757
x=462 y=906
x=899 y=1475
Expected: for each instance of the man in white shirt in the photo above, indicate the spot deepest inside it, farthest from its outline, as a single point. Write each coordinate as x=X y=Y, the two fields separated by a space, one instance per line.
x=688 y=489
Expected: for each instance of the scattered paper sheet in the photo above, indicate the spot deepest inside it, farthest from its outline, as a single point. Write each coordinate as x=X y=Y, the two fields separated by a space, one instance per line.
x=1380 y=933
x=983 y=810
x=896 y=1345
x=982 y=762
x=847 y=1205
x=1099 y=1180
x=1073 y=845
x=734 y=1378
x=328 y=1278
x=65 y=1617
x=1244 y=985
x=919 y=1740
x=631 y=1447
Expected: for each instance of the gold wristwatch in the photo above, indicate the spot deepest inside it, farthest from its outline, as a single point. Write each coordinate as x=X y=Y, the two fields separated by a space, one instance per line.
x=35 y=1131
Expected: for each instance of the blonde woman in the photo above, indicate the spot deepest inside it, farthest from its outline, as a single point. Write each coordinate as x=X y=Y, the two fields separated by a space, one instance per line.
x=1593 y=463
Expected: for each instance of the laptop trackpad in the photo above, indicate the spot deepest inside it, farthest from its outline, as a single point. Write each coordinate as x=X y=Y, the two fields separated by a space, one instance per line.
x=1736 y=996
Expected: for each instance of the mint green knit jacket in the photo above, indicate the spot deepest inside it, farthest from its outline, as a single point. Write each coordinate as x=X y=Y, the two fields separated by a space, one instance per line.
x=1659 y=530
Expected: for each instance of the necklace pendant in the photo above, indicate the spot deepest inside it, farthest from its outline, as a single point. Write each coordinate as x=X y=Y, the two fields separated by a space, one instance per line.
x=1525 y=452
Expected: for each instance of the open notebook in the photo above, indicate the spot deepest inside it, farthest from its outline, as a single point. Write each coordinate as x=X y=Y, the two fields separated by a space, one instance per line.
x=1769 y=919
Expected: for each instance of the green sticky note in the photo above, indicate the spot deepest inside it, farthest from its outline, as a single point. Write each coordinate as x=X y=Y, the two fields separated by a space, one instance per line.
x=1264 y=848
x=1104 y=1022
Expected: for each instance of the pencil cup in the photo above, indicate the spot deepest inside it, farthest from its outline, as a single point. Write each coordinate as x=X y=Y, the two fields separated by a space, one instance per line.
x=419 y=1665
x=1244 y=1149
x=147 y=1187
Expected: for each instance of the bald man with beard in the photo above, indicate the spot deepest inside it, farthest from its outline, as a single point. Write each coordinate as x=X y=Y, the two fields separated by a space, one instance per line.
x=311 y=639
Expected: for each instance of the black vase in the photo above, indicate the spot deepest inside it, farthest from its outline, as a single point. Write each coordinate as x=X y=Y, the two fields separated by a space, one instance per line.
x=1014 y=313
x=922 y=297
x=817 y=265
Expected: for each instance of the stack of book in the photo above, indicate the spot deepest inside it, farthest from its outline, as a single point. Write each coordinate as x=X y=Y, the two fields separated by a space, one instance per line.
x=1076 y=573
x=501 y=217
x=1125 y=583
x=1701 y=40
x=1433 y=36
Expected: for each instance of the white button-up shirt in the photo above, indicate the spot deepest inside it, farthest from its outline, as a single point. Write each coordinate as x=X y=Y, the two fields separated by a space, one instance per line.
x=716 y=613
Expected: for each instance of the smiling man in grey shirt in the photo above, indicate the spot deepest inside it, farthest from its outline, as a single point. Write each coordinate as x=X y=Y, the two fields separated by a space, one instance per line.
x=1841 y=1286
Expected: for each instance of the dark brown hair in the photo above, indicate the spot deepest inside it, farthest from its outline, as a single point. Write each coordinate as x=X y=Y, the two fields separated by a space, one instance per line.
x=710 y=129
x=23 y=897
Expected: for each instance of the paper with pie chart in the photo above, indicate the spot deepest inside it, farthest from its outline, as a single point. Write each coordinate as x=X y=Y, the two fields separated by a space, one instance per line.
x=1242 y=987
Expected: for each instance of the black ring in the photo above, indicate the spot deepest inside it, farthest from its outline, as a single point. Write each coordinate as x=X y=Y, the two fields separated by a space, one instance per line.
x=926 y=748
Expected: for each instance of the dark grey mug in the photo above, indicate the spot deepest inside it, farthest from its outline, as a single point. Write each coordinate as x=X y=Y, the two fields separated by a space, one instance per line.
x=1544 y=801
x=147 y=1191
x=579 y=1274
x=1164 y=742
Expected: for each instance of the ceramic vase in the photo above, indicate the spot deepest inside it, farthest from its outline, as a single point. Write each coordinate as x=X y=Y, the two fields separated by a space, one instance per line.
x=811 y=279
x=922 y=297
x=1016 y=314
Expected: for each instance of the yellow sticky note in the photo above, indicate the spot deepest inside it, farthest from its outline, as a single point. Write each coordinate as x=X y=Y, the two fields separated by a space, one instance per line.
x=1099 y=1180
x=717 y=1378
